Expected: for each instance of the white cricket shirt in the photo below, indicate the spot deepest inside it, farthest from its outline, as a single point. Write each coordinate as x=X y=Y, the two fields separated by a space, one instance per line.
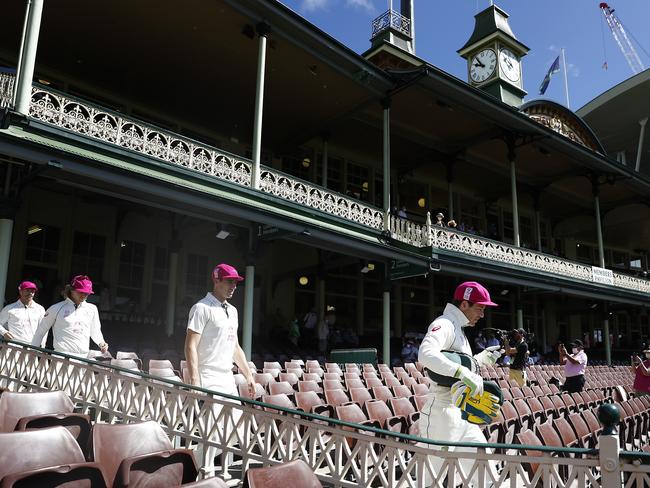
x=21 y=320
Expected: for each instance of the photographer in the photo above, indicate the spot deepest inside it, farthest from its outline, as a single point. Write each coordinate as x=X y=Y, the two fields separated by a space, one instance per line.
x=574 y=366
x=518 y=350
x=641 y=370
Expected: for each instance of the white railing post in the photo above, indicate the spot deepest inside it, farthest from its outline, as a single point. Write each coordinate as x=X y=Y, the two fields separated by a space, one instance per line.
x=608 y=446
x=263 y=31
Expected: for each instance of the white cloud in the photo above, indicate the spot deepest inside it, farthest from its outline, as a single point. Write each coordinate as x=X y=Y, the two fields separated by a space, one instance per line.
x=311 y=5
x=573 y=70
x=364 y=4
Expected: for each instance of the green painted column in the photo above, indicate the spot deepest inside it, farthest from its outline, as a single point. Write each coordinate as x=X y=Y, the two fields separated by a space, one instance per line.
x=27 y=59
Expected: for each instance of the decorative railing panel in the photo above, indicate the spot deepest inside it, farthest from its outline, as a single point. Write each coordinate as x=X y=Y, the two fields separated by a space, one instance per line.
x=6 y=89
x=391 y=19
x=341 y=454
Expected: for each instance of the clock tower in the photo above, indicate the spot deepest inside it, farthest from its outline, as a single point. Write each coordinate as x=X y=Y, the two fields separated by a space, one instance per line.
x=493 y=56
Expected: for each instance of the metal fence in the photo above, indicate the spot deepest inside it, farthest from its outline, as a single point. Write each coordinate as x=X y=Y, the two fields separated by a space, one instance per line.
x=340 y=453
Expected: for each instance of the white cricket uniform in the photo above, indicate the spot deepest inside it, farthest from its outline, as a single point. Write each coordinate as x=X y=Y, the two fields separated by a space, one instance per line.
x=218 y=328
x=21 y=320
x=440 y=420
x=216 y=348
x=72 y=326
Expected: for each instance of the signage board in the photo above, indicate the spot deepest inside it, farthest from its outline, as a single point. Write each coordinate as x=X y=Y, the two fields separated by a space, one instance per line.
x=602 y=275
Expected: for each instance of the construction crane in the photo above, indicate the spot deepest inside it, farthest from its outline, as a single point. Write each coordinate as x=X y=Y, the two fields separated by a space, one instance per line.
x=621 y=38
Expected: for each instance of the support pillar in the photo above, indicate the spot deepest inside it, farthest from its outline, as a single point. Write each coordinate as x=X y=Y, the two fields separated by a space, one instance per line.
x=639 y=150
x=6 y=230
x=386 y=162
x=27 y=59
x=386 y=325
x=249 y=295
x=599 y=228
x=398 y=310
x=520 y=310
x=538 y=219
x=606 y=340
x=325 y=159
x=247 y=323
x=171 y=289
x=450 y=191
x=263 y=31
x=513 y=190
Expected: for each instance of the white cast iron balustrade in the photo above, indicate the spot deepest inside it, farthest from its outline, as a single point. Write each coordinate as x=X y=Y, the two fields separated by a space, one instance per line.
x=391 y=19
x=342 y=455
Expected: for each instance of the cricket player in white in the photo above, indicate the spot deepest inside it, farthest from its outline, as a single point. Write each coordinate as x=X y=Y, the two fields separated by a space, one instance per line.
x=73 y=321
x=440 y=418
x=211 y=344
x=19 y=320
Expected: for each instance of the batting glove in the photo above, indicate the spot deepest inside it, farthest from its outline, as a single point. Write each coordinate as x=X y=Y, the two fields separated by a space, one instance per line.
x=479 y=410
x=473 y=381
x=489 y=356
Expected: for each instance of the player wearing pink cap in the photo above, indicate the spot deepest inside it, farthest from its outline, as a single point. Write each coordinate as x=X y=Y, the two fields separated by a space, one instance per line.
x=211 y=344
x=73 y=321
x=440 y=418
x=19 y=320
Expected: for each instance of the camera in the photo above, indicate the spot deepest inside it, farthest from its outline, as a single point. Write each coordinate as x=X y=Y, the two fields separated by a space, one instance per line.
x=505 y=337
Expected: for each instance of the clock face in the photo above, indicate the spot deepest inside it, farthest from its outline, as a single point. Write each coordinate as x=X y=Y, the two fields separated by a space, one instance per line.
x=509 y=65
x=482 y=65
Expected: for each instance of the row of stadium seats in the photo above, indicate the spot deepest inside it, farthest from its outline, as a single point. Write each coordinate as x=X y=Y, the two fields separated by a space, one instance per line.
x=40 y=446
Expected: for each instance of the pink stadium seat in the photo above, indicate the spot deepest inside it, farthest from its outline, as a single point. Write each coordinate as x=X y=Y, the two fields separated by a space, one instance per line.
x=309 y=386
x=336 y=397
x=419 y=389
x=354 y=383
x=14 y=406
x=360 y=395
x=382 y=393
x=294 y=473
x=281 y=387
x=332 y=385
x=290 y=378
x=281 y=400
x=379 y=411
x=309 y=401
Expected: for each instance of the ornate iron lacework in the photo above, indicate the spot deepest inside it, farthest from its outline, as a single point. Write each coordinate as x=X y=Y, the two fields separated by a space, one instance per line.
x=6 y=89
x=114 y=128
x=391 y=20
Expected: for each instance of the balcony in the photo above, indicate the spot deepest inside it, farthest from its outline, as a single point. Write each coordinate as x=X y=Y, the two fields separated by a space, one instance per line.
x=391 y=20
x=89 y=120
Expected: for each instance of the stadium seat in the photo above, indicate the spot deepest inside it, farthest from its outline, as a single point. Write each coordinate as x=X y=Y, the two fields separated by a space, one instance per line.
x=208 y=483
x=420 y=389
x=360 y=395
x=309 y=401
x=309 y=386
x=528 y=438
x=295 y=473
x=281 y=400
x=587 y=438
x=14 y=406
x=291 y=378
x=379 y=411
x=140 y=454
x=336 y=397
x=354 y=383
x=281 y=387
x=160 y=363
x=76 y=423
x=263 y=378
x=44 y=454
x=382 y=393
x=403 y=407
x=332 y=385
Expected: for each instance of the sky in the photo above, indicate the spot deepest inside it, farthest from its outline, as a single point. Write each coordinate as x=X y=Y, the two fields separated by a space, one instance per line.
x=545 y=26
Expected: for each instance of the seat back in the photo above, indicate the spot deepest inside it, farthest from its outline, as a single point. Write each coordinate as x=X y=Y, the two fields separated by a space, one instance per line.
x=113 y=443
x=528 y=438
x=160 y=363
x=77 y=424
x=360 y=395
x=294 y=473
x=33 y=449
x=14 y=406
x=281 y=387
x=281 y=400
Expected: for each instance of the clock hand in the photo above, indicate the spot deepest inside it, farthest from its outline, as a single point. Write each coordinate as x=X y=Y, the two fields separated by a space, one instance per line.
x=479 y=64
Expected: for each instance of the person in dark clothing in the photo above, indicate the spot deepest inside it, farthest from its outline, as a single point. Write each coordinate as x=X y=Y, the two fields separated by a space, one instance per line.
x=519 y=351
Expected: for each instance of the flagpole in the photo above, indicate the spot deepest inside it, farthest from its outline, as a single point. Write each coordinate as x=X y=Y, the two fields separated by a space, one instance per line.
x=566 y=82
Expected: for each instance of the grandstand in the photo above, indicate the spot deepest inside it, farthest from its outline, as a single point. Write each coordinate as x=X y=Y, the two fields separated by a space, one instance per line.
x=352 y=425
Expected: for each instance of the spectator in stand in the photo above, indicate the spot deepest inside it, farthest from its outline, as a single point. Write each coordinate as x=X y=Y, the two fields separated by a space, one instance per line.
x=324 y=328
x=518 y=350
x=480 y=343
x=409 y=352
x=641 y=369
x=19 y=320
x=440 y=219
x=452 y=224
x=309 y=323
x=575 y=365
x=350 y=337
x=491 y=340
x=402 y=212
x=294 y=332
x=73 y=321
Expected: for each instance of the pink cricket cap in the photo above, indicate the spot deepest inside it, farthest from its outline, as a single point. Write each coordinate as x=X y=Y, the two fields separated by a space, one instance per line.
x=27 y=285
x=82 y=284
x=474 y=292
x=225 y=272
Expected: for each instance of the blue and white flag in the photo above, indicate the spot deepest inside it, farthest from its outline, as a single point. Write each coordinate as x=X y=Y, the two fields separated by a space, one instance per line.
x=555 y=67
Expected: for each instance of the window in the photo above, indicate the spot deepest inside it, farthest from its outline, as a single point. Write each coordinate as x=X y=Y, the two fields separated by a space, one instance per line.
x=131 y=275
x=298 y=166
x=584 y=253
x=526 y=232
x=161 y=265
x=88 y=251
x=196 y=278
x=508 y=227
x=470 y=217
x=358 y=181
x=42 y=244
x=636 y=262
x=619 y=259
